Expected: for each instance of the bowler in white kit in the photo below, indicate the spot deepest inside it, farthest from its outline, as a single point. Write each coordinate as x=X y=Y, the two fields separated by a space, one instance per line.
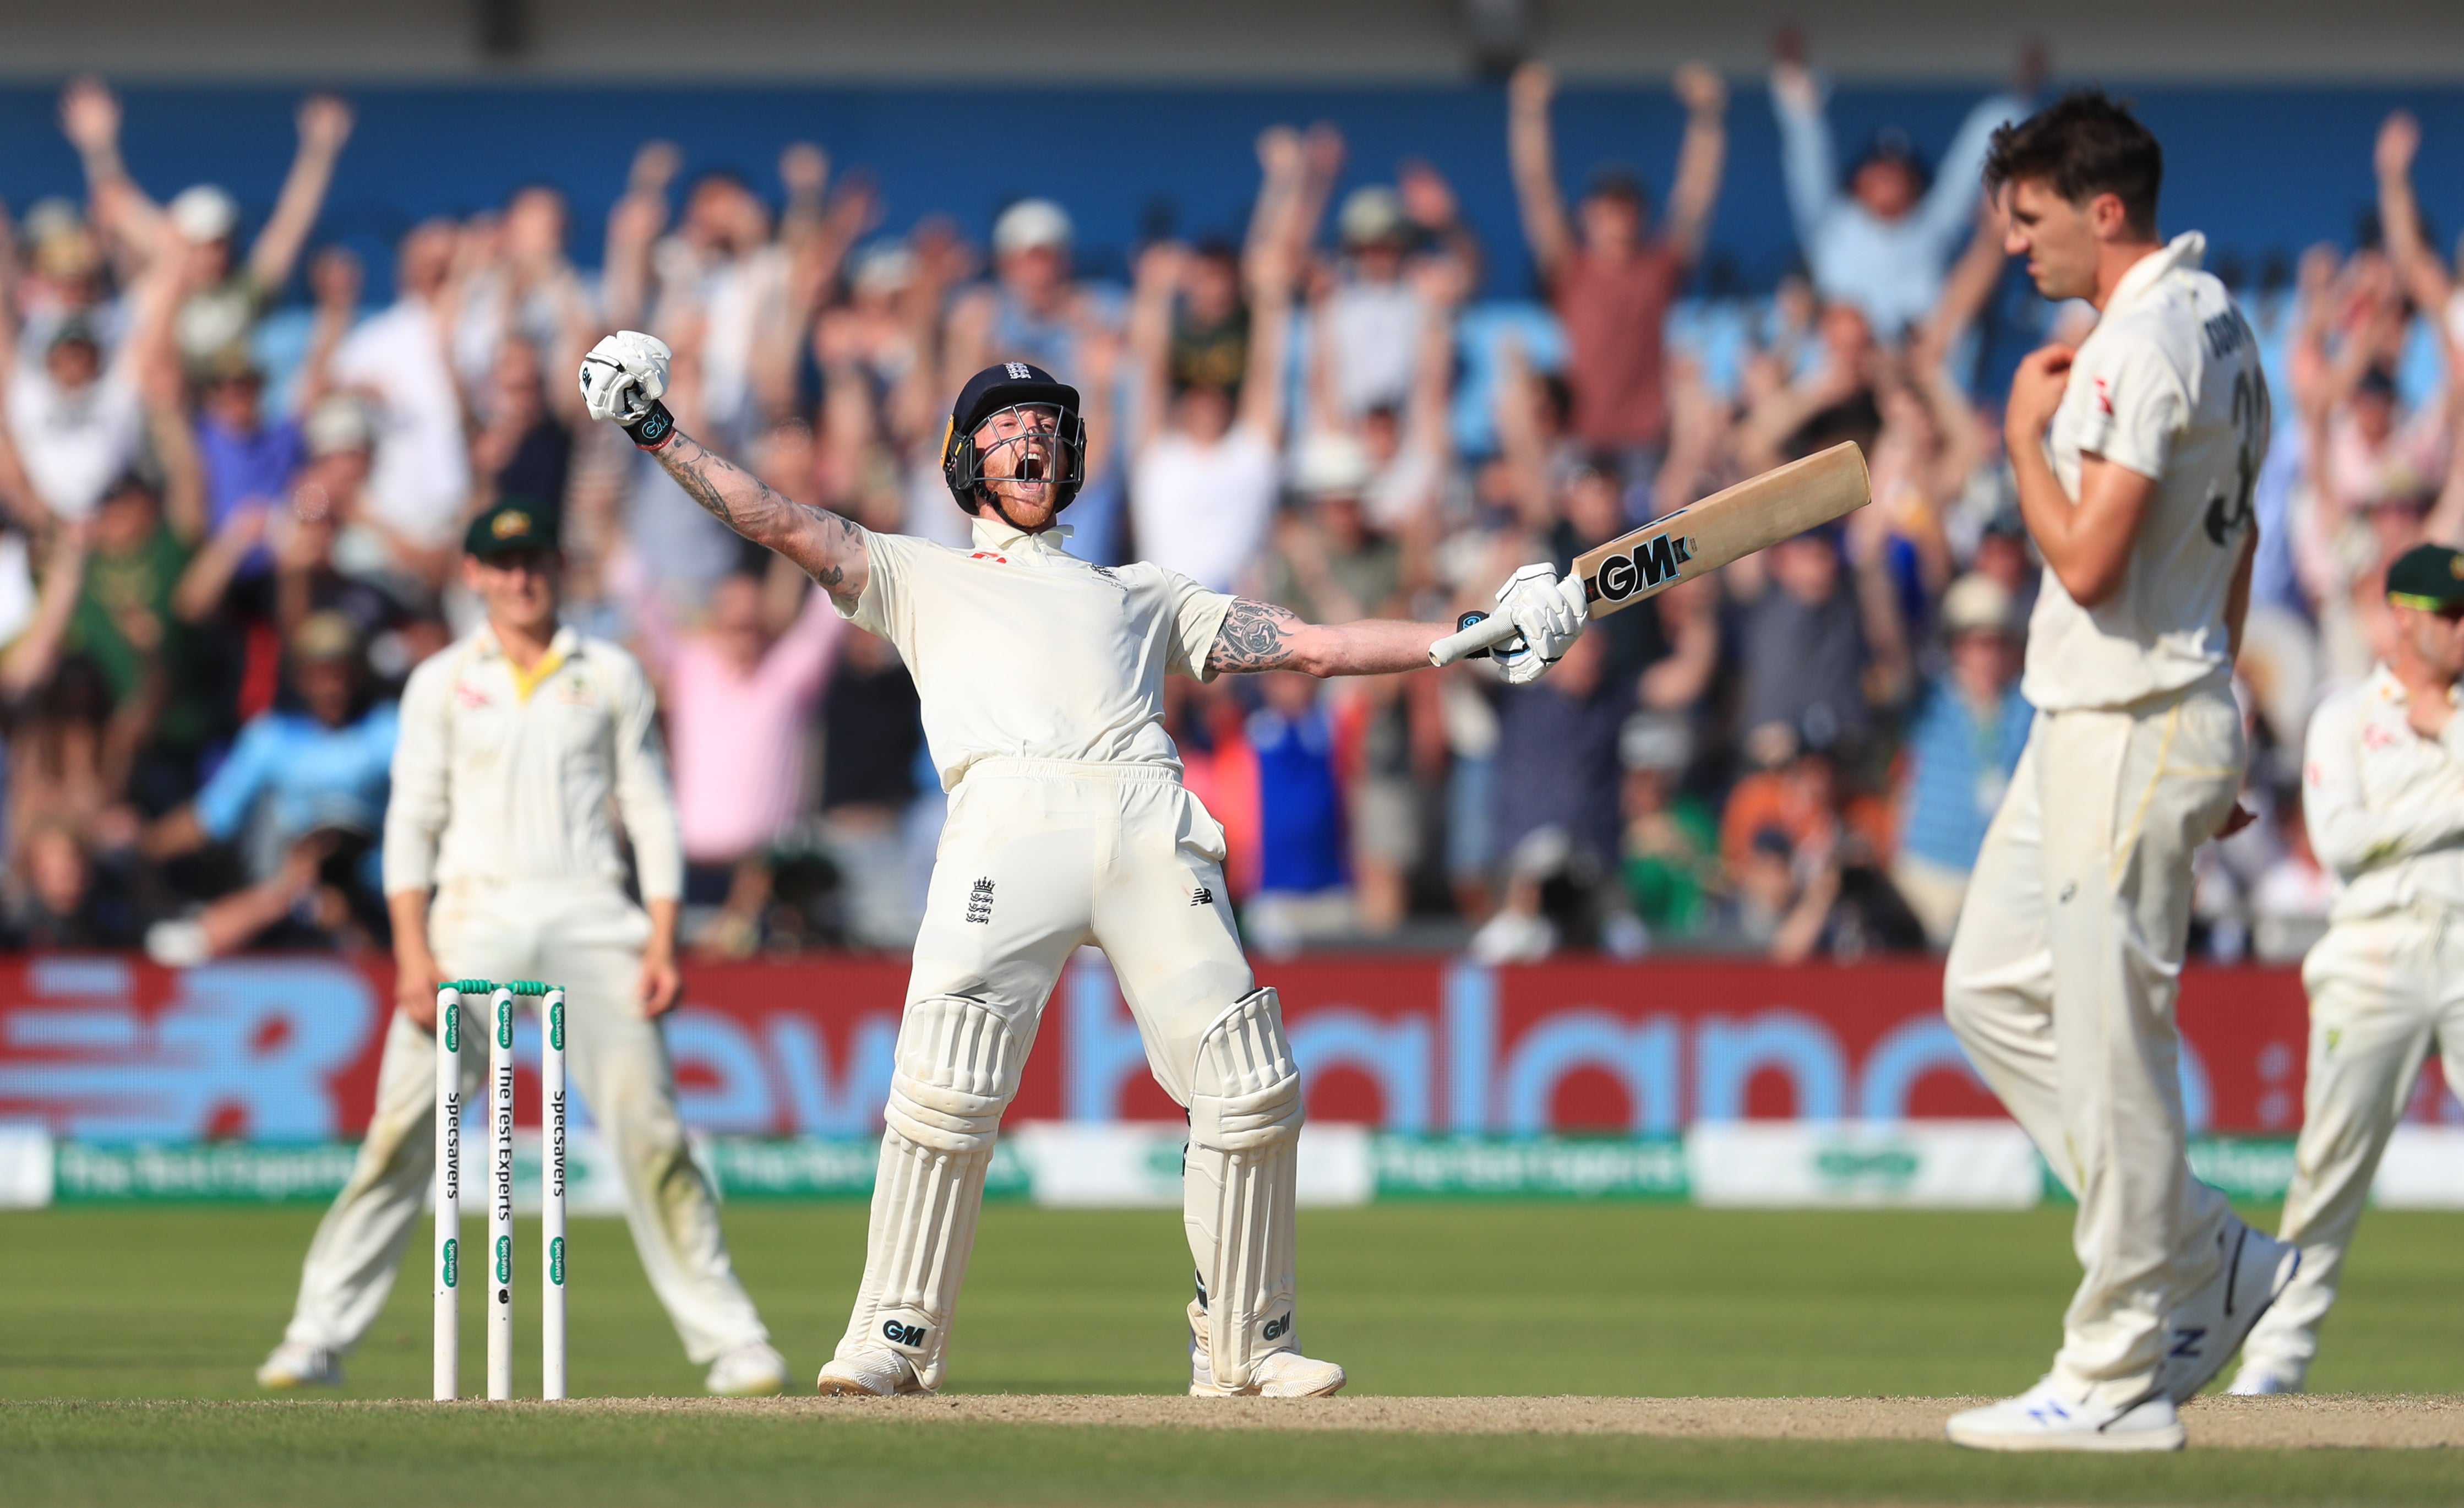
x=2135 y=456
x=1042 y=683
x=2383 y=794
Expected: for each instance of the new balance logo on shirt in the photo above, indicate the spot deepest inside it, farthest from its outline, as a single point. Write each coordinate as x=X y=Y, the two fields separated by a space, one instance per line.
x=1202 y=896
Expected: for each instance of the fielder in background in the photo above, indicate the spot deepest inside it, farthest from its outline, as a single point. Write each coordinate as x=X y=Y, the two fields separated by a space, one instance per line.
x=1042 y=683
x=516 y=744
x=2383 y=790
x=2135 y=456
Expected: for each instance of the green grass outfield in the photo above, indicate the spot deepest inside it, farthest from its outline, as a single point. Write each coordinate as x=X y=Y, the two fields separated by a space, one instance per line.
x=1455 y=1299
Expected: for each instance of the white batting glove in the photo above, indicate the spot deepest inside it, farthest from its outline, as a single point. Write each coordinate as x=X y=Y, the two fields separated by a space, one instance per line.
x=1548 y=613
x=624 y=376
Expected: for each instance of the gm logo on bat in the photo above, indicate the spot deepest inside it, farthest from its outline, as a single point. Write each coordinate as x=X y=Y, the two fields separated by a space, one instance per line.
x=1647 y=564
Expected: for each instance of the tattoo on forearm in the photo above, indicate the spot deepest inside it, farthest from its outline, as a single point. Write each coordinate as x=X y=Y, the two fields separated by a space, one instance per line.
x=1255 y=637
x=759 y=514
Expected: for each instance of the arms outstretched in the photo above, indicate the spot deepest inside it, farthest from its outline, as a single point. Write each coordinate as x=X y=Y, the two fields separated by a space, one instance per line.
x=622 y=380
x=1261 y=636
x=828 y=548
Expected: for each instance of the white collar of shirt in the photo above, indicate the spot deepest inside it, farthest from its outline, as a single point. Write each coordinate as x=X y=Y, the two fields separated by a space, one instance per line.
x=997 y=534
x=2184 y=252
x=2387 y=688
x=561 y=647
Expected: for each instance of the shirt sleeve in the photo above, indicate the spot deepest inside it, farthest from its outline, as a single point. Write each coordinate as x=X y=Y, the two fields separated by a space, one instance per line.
x=423 y=755
x=1196 y=617
x=222 y=805
x=2136 y=406
x=884 y=606
x=642 y=798
x=2346 y=835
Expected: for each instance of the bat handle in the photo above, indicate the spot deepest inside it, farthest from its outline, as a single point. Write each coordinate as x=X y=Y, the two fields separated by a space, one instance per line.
x=1464 y=643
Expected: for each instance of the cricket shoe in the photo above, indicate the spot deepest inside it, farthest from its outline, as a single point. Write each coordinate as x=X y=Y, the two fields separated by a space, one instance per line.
x=748 y=1371
x=296 y=1365
x=2257 y=1379
x=868 y=1374
x=2042 y=1419
x=2203 y=1333
x=1277 y=1374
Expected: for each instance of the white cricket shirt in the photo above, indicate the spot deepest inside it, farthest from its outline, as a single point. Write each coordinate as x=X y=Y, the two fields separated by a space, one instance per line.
x=1020 y=649
x=2168 y=385
x=2384 y=806
x=496 y=781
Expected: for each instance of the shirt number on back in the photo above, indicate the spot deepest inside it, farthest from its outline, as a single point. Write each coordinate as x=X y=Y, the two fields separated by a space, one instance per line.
x=2250 y=421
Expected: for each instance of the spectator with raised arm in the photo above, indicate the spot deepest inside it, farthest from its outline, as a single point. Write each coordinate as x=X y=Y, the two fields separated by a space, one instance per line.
x=1882 y=240
x=1610 y=279
x=223 y=295
x=1206 y=461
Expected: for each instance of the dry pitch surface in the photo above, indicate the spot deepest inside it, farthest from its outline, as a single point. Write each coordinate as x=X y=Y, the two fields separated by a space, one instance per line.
x=2381 y=1421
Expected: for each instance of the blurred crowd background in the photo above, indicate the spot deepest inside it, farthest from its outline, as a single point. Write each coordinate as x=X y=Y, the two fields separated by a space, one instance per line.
x=235 y=471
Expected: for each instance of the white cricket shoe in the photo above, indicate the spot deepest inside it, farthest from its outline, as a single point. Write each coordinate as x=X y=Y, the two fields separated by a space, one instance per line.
x=1277 y=1374
x=2041 y=1419
x=295 y=1364
x=2257 y=1379
x=868 y=1374
x=756 y=1371
x=2204 y=1332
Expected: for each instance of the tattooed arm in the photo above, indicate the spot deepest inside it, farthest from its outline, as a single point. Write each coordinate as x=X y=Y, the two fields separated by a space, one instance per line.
x=828 y=548
x=1259 y=635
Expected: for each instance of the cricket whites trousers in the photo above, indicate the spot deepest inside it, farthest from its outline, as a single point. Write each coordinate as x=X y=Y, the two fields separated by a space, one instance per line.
x=587 y=938
x=2061 y=984
x=2382 y=991
x=1038 y=858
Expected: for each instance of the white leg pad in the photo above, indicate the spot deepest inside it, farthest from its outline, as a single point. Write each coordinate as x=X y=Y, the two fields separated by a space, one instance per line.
x=1237 y=1184
x=956 y=1071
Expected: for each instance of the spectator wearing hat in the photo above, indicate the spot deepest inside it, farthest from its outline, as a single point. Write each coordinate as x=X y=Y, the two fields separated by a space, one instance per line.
x=395 y=363
x=222 y=297
x=1881 y=239
x=1373 y=314
x=1964 y=742
x=75 y=412
x=1611 y=279
x=304 y=794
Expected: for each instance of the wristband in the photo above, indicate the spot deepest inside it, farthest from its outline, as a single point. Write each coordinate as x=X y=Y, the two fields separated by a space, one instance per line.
x=653 y=429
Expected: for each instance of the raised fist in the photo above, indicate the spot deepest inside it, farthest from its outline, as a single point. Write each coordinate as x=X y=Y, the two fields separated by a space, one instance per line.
x=623 y=375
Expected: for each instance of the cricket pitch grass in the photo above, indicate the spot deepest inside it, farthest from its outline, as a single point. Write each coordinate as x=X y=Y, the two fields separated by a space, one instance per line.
x=1499 y=1353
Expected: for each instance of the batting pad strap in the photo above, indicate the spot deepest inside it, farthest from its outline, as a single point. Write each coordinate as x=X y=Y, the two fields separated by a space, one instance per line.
x=957 y=1067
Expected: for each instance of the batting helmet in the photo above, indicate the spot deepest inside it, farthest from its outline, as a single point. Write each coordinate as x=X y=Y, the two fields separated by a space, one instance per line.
x=1012 y=386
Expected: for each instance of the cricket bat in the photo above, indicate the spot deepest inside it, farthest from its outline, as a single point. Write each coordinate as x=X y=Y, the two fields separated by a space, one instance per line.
x=1730 y=523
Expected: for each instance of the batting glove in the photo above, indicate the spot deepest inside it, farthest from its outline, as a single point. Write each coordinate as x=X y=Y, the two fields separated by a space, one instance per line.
x=1548 y=613
x=622 y=380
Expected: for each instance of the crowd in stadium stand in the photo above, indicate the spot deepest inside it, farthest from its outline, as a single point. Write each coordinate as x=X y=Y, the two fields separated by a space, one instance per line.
x=224 y=551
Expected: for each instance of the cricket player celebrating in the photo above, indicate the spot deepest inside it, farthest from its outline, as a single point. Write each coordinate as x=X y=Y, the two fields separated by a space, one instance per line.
x=2135 y=455
x=516 y=744
x=2383 y=791
x=1042 y=683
